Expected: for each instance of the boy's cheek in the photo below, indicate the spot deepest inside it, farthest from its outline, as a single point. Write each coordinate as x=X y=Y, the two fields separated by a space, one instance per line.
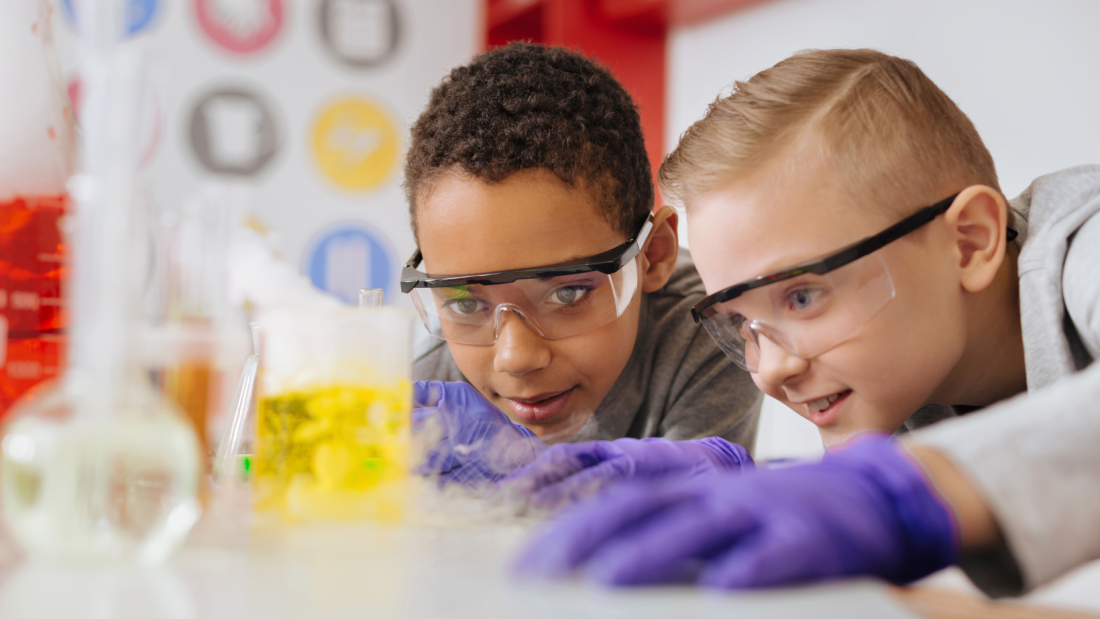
x=598 y=357
x=472 y=361
x=603 y=352
x=875 y=403
x=889 y=382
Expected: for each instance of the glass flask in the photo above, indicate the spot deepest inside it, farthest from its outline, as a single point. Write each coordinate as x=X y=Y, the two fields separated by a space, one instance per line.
x=99 y=465
x=122 y=487
x=36 y=153
x=334 y=413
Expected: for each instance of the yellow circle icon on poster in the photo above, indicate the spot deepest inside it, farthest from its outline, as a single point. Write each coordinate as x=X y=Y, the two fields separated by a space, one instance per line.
x=356 y=143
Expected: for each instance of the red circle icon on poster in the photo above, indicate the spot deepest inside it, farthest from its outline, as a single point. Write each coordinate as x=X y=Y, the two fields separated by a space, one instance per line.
x=240 y=26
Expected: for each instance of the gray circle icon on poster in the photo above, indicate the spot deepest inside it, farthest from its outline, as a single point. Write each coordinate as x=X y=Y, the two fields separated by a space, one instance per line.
x=360 y=33
x=233 y=132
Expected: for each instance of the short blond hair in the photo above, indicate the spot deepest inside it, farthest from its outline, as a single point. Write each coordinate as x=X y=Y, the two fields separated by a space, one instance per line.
x=893 y=137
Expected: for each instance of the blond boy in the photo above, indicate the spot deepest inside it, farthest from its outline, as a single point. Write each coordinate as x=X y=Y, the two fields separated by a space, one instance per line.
x=859 y=261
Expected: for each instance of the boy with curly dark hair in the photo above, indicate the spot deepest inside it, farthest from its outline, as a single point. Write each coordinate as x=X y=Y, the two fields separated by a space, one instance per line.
x=552 y=286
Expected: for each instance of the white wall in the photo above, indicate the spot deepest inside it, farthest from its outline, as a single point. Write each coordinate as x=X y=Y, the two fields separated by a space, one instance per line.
x=1027 y=72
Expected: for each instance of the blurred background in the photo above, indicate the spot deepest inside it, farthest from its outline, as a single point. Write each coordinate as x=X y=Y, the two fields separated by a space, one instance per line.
x=304 y=105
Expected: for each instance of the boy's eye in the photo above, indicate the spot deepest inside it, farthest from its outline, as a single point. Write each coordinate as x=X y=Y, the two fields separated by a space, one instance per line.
x=463 y=307
x=567 y=295
x=802 y=298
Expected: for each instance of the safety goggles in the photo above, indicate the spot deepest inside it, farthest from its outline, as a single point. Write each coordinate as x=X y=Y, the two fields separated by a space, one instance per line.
x=555 y=301
x=813 y=307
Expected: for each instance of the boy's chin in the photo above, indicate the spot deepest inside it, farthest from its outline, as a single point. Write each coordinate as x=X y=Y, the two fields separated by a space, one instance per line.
x=836 y=439
x=558 y=430
x=850 y=419
x=841 y=433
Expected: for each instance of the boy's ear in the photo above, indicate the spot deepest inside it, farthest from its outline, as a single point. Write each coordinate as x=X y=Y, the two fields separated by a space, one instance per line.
x=658 y=255
x=976 y=222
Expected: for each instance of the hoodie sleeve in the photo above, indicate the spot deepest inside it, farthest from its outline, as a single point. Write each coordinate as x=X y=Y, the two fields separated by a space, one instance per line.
x=1036 y=458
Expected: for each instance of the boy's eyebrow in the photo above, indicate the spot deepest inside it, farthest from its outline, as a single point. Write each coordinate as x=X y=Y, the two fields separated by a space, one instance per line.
x=575 y=258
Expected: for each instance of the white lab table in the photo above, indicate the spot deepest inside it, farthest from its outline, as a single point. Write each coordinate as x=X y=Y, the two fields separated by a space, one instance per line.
x=450 y=560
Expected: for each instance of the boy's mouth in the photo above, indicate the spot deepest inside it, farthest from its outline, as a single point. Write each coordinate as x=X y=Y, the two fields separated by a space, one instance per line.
x=823 y=411
x=541 y=407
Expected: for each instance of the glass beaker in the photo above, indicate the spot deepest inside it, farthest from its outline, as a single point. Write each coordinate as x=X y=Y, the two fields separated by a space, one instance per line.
x=189 y=364
x=32 y=255
x=36 y=131
x=370 y=298
x=194 y=328
x=333 y=414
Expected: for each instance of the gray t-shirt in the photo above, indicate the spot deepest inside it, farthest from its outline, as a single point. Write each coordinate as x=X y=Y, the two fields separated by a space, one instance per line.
x=677 y=383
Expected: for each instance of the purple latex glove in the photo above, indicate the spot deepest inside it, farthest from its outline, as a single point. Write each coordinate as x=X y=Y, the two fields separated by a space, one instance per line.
x=472 y=443
x=865 y=510
x=569 y=471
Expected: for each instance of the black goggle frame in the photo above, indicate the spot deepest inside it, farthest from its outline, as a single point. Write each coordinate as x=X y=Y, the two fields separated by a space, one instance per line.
x=607 y=262
x=845 y=256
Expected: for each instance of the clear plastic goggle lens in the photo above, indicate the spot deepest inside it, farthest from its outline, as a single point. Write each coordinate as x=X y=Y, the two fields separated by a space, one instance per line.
x=553 y=308
x=806 y=315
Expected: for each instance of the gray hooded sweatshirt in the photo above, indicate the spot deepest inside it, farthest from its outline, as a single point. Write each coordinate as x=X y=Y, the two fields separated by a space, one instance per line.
x=1036 y=457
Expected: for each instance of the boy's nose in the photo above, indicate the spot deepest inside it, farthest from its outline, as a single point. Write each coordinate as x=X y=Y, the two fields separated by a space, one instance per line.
x=518 y=349
x=776 y=366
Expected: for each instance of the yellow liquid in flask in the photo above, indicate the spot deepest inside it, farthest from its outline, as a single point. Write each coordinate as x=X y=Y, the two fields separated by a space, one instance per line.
x=334 y=452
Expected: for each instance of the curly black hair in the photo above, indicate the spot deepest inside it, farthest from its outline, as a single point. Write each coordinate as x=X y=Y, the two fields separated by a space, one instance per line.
x=525 y=106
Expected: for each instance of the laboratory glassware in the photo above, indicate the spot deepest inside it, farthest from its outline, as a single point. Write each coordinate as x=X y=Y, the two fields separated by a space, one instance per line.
x=333 y=414
x=371 y=297
x=233 y=461
x=99 y=465
x=192 y=333
x=36 y=156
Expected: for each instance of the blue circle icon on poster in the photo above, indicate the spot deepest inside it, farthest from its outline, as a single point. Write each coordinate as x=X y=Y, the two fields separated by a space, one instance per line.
x=346 y=256
x=139 y=14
